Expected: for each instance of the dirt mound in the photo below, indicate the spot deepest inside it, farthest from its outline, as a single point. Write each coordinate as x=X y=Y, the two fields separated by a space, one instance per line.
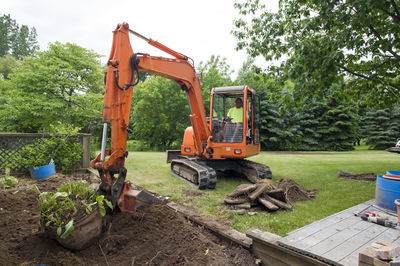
x=358 y=177
x=294 y=191
x=154 y=235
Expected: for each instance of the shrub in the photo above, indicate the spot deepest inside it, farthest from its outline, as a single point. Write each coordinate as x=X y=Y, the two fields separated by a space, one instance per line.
x=66 y=153
x=8 y=181
x=71 y=202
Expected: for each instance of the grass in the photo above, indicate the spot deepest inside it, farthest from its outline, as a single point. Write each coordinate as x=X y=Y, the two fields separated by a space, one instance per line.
x=310 y=169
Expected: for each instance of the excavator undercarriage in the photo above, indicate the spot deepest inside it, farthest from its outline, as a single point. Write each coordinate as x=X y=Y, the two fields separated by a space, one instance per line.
x=202 y=174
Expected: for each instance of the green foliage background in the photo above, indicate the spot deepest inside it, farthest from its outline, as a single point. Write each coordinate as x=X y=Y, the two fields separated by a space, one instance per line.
x=316 y=99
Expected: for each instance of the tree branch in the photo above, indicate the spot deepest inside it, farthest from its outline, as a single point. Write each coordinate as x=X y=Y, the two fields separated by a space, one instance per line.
x=395 y=8
x=377 y=35
x=370 y=78
x=374 y=67
x=395 y=17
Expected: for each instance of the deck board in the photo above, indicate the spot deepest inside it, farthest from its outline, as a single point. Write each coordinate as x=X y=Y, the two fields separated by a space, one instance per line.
x=390 y=235
x=311 y=241
x=339 y=238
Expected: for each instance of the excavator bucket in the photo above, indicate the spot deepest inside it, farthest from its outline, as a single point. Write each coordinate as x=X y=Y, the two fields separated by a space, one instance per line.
x=133 y=199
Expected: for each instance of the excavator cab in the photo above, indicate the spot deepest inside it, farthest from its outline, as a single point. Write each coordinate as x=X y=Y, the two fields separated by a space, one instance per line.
x=234 y=125
x=235 y=115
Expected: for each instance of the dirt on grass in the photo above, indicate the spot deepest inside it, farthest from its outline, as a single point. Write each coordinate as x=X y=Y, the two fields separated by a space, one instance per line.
x=356 y=176
x=154 y=235
x=294 y=191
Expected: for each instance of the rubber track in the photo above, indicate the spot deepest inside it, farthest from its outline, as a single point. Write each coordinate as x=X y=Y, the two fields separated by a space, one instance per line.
x=206 y=175
x=262 y=170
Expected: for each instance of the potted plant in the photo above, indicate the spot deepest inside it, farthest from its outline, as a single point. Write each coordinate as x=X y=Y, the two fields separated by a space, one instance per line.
x=73 y=214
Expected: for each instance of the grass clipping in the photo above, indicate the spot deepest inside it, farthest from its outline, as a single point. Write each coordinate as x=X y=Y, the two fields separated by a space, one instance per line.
x=71 y=202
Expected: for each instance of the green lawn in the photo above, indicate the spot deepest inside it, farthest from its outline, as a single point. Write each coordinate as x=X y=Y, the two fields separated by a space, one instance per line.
x=312 y=170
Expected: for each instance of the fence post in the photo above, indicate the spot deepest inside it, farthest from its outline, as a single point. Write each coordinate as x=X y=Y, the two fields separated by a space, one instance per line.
x=85 y=138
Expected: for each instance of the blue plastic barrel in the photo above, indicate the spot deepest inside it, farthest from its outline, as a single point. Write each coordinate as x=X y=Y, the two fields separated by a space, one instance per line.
x=42 y=172
x=393 y=172
x=387 y=191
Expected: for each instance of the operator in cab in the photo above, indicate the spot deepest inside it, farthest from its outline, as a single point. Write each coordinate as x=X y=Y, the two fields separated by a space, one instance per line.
x=235 y=116
x=236 y=113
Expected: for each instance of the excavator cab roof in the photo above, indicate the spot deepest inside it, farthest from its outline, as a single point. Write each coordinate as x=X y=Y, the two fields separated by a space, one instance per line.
x=231 y=89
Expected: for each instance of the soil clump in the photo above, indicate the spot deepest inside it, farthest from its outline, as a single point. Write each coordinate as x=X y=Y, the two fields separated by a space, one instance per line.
x=357 y=177
x=294 y=191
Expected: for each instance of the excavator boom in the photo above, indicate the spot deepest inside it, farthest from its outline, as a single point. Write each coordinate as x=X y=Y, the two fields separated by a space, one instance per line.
x=123 y=65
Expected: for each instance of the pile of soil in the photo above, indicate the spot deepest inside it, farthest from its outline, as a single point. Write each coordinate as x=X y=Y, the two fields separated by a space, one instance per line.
x=294 y=191
x=154 y=235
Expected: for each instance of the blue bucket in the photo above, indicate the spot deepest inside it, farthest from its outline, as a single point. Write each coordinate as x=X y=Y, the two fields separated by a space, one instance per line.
x=393 y=172
x=387 y=191
x=42 y=172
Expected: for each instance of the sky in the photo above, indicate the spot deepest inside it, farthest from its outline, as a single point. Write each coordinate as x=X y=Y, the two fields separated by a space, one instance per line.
x=197 y=29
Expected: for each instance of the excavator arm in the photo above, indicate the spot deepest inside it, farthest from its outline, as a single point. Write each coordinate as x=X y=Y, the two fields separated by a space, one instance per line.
x=123 y=66
x=183 y=73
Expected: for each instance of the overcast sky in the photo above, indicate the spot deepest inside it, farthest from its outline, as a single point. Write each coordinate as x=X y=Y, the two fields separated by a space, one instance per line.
x=197 y=29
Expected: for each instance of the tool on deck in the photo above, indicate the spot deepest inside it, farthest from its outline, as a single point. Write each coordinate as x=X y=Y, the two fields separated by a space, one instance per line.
x=373 y=219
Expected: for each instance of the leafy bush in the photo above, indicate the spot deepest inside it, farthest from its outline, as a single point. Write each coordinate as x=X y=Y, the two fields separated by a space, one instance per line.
x=8 y=181
x=65 y=152
x=71 y=202
x=137 y=145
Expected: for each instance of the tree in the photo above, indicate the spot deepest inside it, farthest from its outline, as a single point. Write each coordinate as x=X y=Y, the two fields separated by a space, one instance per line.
x=17 y=40
x=319 y=41
x=338 y=125
x=7 y=64
x=382 y=127
x=215 y=73
x=271 y=126
x=60 y=85
x=309 y=123
x=160 y=113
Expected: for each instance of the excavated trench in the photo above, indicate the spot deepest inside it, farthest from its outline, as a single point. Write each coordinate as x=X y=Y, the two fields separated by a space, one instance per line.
x=155 y=235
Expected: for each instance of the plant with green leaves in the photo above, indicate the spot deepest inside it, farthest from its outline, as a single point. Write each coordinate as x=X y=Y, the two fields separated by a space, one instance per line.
x=15 y=39
x=8 y=180
x=65 y=152
x=382 y=127
x=62 y=84
x=70 y=203
x=160 y=113
x=318 y=42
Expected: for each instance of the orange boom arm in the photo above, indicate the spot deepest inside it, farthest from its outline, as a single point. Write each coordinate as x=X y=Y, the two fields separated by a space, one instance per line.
x=120 y=79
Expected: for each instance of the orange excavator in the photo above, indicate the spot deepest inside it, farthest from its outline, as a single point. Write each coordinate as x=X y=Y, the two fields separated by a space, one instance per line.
x=210 y=145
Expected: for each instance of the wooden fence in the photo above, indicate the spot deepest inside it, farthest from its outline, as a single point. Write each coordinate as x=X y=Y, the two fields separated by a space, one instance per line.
x=12 y=143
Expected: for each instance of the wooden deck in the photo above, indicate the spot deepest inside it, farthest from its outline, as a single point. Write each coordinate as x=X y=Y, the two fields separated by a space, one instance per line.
x=339 y=238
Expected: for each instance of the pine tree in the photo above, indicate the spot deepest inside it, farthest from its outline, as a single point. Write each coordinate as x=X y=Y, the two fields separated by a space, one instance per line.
x=309 y=123
x=17 y=40
x=271 y=124
x=382 y=127
x=338 y=125
x=290 y=133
